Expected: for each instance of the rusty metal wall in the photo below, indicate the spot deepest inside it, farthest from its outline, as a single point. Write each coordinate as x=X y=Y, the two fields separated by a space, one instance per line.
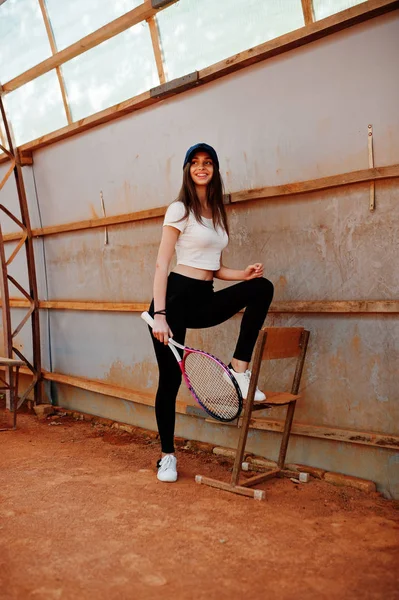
x=298 y=116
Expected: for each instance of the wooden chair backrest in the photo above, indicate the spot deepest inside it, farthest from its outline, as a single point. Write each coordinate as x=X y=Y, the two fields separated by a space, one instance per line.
x=282 y=342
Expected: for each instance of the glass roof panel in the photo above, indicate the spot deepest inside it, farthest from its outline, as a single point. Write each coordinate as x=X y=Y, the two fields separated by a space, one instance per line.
x=116 y=70
x=325 y=8
x=195 y=34
x=36 y=108
x=24 y=41
x=75 y=19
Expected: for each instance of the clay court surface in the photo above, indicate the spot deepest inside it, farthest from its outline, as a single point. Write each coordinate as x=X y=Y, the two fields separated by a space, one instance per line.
x=83 y=516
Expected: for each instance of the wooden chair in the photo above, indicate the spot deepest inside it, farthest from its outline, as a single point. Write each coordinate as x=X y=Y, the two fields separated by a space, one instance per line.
x=12 y=367
x=272 y=343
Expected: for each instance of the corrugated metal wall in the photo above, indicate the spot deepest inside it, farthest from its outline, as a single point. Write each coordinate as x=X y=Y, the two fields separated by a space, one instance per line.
x=299 y=116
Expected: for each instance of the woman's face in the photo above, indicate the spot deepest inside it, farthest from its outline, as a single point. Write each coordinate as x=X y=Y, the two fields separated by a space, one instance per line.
x=201 y=168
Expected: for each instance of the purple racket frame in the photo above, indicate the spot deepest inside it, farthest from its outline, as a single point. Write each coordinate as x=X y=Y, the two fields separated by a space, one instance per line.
x=173 y=345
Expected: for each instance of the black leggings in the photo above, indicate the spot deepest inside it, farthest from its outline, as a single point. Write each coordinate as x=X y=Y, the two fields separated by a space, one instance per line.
x=192 y=303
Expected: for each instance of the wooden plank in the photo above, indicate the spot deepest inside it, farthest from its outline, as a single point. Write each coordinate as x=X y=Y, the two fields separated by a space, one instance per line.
x=227 y=487
x=7 y=175
x=95 y=306
x=156 y=45
x=243 y=196
x=304 y=35
x=368 y=438
x=347 y=18
x=298 y=307
x=275 y=399
x=53 y=47
x=133 y=17
x=141 y=215
x=86 y=305
x=175 y=86
x=312 y=185
x=25 y=159
x=18 y=303
x=107 y=389
x=282 y=342
x=307 y=9
x=256 y=479
x=336 y=306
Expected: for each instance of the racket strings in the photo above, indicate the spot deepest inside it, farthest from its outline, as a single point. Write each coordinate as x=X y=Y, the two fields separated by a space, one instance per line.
x=212 y=386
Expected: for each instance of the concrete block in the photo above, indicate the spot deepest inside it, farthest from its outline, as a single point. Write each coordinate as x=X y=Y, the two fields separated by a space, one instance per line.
x=44 y=410
x=103 y=422
x=259 y=461
x=313 y=471
x=127 y=428
x=340 y=479
x=226 y=452
x=198 y=446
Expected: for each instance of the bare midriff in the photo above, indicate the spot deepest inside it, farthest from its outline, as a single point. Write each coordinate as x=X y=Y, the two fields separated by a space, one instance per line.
x=193 y=272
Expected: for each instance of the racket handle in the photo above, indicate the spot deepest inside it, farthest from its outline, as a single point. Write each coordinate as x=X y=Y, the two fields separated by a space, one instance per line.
x=147 y=318
x=150 y=321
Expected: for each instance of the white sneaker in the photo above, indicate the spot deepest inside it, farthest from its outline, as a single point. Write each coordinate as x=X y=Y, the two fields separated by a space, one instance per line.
x=167 y=469
x=243 y=380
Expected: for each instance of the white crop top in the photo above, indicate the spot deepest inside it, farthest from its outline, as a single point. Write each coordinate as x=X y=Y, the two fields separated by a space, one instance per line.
x=198 y=245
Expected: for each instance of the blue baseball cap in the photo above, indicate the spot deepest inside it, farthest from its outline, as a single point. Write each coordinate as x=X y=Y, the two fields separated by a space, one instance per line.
x=201 y=147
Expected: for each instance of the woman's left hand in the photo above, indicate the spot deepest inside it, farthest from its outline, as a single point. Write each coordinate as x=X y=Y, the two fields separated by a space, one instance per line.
x=253 y=271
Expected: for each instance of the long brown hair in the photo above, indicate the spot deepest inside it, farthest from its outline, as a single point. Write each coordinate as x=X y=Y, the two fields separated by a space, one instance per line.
x=214 y=193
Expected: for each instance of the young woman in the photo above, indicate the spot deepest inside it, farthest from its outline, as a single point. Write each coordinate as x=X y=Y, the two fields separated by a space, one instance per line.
x=195 y=226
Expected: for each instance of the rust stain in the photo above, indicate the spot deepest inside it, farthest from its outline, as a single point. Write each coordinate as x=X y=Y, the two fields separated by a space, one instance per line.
x=93 y=212
x=86 y=255
x=140 y=376
x=281 y=284
x=356 y=343
x=388 y=442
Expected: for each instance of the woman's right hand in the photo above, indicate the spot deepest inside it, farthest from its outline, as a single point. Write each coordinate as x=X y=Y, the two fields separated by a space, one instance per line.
x=161 y=330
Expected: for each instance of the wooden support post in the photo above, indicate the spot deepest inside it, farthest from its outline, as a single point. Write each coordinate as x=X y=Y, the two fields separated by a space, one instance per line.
x=248 y=403
x=156 y=45
x=291 y=407
x=307 y=9
x=54 y=51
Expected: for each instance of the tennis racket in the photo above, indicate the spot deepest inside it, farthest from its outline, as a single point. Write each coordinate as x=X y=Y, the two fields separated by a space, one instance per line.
x=210 y=382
